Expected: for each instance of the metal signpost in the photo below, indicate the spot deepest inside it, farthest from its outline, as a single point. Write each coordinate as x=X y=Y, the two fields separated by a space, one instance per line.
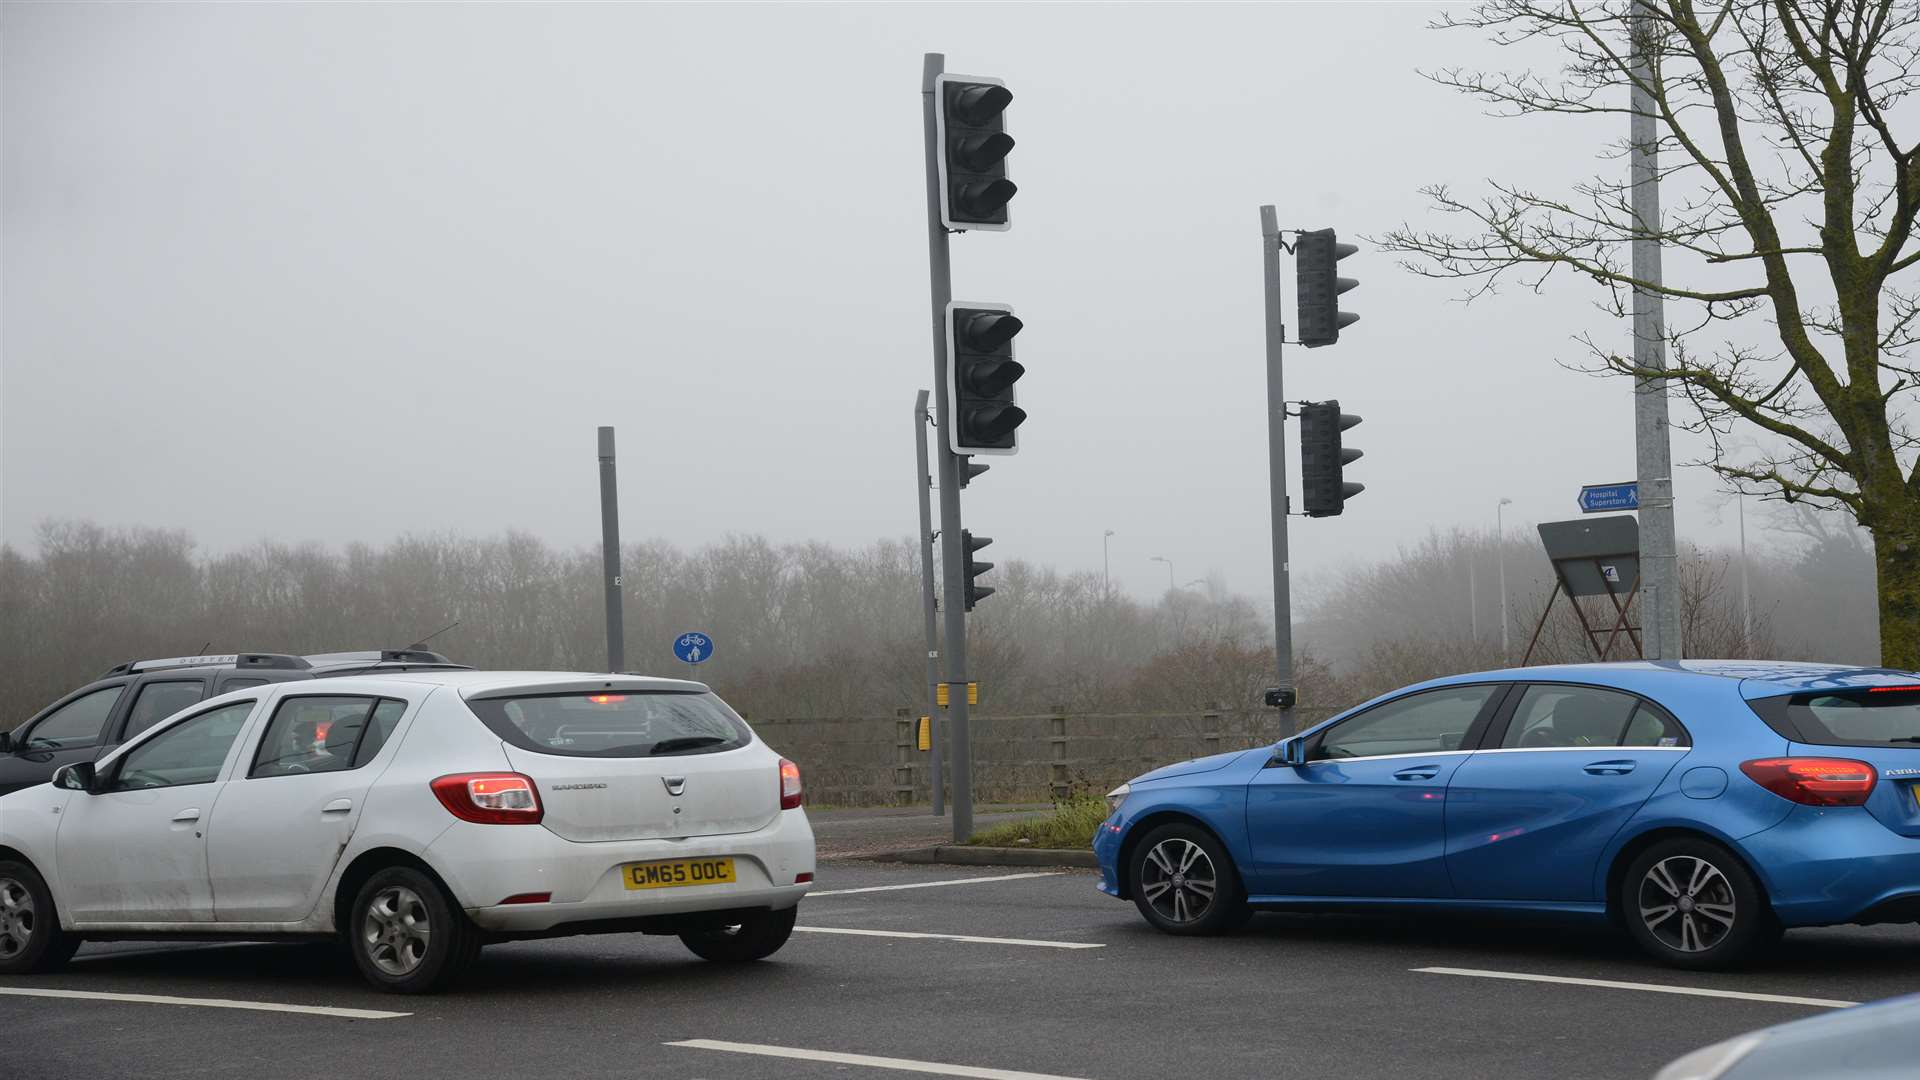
x=1277 y=468
x=1609 y=498
x=923 y=487
x=610 y=554
x=1594 y=557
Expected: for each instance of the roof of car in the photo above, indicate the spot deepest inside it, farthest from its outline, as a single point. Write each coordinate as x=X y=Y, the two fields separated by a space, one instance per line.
x=1757 y=678
x=481 y=683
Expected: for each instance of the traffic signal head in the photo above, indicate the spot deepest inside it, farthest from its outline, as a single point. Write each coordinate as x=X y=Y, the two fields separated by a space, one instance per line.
x=969 y=544
x=983 y=416
x=1324 y=488
x=971 y=125
x=1318 y=289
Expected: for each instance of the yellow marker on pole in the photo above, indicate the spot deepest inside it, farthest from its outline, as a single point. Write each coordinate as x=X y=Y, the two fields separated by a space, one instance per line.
x=940 y=696
x=926 y=733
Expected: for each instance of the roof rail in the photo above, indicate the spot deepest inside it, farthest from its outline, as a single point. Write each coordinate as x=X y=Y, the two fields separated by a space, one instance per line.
x=377 y=656
x=277 y=661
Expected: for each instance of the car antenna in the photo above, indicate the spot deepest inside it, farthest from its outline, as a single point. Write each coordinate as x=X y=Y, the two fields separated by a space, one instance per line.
x=422 y=643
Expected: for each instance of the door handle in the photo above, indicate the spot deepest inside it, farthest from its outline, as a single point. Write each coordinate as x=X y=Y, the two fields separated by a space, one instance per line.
x=337 y=806
x=186 y=816
x=1418 y=772
x=1611 y=768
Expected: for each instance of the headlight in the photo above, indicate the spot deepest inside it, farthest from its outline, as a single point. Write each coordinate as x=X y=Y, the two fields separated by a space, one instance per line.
x=1117 y=796
x=1711 y=1062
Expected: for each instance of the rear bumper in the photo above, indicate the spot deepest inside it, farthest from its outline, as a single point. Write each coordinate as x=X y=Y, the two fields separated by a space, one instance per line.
x=485 y=864
x=1826 y=865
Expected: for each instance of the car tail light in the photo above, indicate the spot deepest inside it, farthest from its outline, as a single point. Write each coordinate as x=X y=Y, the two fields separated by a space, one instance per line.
x=490 y=798
x=790 y=792
x=1813 y=781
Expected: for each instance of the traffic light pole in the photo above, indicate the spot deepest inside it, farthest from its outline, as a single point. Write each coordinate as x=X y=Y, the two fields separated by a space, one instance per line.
x=610 y=554
x=923 y=482
x=1277 y=461
x=952 y=550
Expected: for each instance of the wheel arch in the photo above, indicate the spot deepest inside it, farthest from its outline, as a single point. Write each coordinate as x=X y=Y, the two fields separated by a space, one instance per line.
x=1145 y=825
x=1633 y=848
x=371 y=862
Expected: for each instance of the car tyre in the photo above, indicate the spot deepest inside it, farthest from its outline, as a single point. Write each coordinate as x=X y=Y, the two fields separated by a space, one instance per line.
x=31 y=940
x=1693 y=904
x=407 y=936
x=1183 y=882
x=759 y=937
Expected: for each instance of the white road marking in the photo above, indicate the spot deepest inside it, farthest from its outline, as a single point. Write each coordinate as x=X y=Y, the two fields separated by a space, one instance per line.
x=1655 y=988
x=950 y=937
x=897 y=1064
x=936 y=884
x=208 y=1003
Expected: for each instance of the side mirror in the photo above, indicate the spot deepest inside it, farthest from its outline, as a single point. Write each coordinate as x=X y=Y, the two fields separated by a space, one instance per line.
x=1292 y=752
x=75 y=777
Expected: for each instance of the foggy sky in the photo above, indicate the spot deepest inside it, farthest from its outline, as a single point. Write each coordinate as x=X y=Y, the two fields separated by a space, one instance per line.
x=341 y=273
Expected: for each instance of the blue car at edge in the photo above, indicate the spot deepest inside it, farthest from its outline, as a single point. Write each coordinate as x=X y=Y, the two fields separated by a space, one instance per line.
x=1702 y=806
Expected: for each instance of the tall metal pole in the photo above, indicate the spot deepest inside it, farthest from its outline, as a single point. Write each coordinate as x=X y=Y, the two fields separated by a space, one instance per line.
x=923 y=482
x=1500 y=530
x=1473 y=598
x=952 y=551
x=1106 y=563
x=1746 y=595
x=610 y=554
x=1653 y=454
x=1277 y=459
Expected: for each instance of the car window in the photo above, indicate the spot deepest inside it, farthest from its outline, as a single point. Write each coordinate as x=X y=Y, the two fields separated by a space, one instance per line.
x=77 y=723
x=240 y=684
x=1551 y=716
x=626 y=723
x=1422 y=723
x=385 y=716
x=315 y=735
x=1651 y=727
x=156 y=701
x=189 y=752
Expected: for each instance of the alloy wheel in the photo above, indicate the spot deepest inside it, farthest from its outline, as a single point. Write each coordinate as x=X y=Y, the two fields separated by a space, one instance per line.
x=1687 y=903
x=396 y=930
x=1178 y=879
x=16 y=918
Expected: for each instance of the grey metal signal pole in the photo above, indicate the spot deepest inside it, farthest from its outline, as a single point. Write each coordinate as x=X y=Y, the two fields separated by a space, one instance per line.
x=952 y=551
x=923 y=485
x=1277 y=459
x=610 y=554
x=1660 y=612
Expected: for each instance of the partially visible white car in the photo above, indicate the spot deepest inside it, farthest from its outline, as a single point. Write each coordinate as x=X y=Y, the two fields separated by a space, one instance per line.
x=418 y=817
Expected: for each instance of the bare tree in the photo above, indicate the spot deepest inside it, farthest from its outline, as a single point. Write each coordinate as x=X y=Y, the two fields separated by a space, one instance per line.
x=1791 y=203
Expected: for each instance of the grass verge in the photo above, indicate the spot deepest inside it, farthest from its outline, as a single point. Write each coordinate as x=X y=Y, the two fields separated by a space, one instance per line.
x=1070 y=826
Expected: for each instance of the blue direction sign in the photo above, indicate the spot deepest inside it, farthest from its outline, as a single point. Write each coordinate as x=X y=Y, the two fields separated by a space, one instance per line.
x=693 y=647
x=1604 y=498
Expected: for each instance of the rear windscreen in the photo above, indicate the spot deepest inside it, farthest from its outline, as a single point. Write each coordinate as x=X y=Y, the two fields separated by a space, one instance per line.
x=1875 y=717
x=615 y=724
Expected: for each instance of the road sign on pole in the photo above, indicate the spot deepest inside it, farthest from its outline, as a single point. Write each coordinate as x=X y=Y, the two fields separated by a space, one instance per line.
x=693 y=647
x=1609 y=498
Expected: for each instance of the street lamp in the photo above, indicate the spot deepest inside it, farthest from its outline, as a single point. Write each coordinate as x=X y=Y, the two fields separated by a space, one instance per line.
x=1169 y=562
x=1500 y=543
x=1106 y=563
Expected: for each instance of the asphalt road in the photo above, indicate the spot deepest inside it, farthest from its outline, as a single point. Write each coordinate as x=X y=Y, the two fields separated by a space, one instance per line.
x=1288 y=997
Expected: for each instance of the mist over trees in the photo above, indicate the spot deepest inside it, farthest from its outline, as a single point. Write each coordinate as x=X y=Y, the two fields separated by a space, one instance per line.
x=808 y=630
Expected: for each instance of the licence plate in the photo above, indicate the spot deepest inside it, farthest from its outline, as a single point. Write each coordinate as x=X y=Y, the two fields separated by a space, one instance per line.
x=672 y=873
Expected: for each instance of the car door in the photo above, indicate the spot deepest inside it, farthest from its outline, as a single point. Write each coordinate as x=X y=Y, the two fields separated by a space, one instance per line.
x=69 y=732
x=1365 y=814
x=283 y=821
x=1528 y=818
x=133 y=850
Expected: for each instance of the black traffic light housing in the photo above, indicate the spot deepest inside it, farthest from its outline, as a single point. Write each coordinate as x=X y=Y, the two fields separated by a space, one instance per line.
x=969 y=544
x=1318 y=289
x=984 y=414
x=1324 y=488
x=971 y=126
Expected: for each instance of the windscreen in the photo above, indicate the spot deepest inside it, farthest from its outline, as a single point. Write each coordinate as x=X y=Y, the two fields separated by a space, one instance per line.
x=615 y=723
x=1875 y=717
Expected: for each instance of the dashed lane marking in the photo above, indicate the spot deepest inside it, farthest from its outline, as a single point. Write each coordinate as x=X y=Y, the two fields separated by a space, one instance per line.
x=949 y=937
x=897 y=1064
x=937 y=884
x=206 y=1003
x=1652 y=988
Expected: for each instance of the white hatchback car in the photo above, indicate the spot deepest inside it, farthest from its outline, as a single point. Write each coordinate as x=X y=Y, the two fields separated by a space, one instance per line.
x=417 y=817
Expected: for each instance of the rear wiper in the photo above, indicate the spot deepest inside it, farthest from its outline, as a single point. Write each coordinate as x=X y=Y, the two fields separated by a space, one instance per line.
x=1906 y=738
x=686 y=742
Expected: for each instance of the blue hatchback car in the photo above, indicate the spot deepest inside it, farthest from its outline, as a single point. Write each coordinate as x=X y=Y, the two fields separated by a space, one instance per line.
x=1703 y=806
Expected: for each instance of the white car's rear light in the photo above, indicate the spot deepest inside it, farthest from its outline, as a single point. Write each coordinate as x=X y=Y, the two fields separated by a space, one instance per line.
x=790 y=793
x=490 y=798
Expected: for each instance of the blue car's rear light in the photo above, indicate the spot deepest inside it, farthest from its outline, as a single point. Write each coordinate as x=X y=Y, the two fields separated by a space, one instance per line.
x=1812 y=781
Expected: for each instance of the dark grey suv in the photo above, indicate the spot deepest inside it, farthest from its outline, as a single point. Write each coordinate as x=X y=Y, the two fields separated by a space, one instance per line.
x=133 y=696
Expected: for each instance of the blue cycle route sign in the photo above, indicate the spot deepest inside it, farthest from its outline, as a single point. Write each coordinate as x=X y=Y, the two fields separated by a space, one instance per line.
x=1604 y=498
x=693 y=647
